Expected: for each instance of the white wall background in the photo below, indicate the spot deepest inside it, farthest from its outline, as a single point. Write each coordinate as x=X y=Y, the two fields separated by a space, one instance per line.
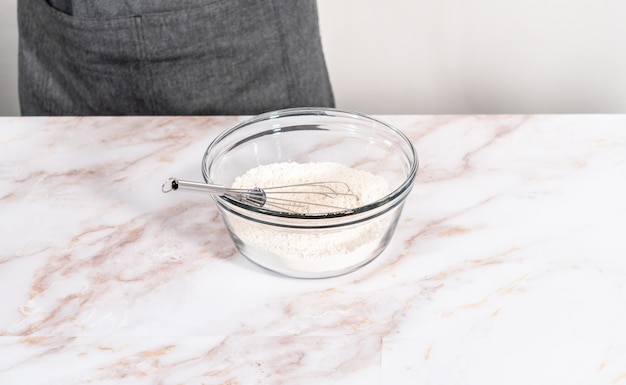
x=8 y=58
x=451 y=56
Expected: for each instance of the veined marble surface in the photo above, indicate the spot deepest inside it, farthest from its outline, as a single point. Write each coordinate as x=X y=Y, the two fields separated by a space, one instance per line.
x=508 y=265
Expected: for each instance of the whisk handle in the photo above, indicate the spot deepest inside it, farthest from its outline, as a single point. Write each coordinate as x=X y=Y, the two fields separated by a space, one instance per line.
x=178 y=184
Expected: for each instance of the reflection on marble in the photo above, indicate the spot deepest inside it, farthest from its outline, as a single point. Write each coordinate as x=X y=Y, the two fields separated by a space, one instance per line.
x=508 y=264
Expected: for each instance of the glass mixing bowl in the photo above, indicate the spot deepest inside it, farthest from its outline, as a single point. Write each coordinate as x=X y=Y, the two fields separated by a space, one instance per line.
x=312 y=246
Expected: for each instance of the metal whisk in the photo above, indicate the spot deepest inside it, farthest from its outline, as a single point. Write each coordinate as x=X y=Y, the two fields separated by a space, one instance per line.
x=271 y=196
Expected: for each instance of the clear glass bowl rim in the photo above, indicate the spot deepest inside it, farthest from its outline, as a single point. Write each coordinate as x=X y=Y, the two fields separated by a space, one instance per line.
x=390 y=200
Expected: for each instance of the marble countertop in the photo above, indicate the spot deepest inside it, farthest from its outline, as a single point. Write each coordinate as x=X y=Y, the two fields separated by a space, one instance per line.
x=508 y=265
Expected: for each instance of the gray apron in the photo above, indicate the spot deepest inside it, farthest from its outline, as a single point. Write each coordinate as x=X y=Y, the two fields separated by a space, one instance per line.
x=149 y=57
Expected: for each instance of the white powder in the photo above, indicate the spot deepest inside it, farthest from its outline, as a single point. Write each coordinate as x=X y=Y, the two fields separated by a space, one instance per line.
x=307 y=250
x=363 y=187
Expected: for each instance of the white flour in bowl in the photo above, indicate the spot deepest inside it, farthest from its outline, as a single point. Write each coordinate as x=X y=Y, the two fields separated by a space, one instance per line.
x=314 y=250
x=364 y=187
